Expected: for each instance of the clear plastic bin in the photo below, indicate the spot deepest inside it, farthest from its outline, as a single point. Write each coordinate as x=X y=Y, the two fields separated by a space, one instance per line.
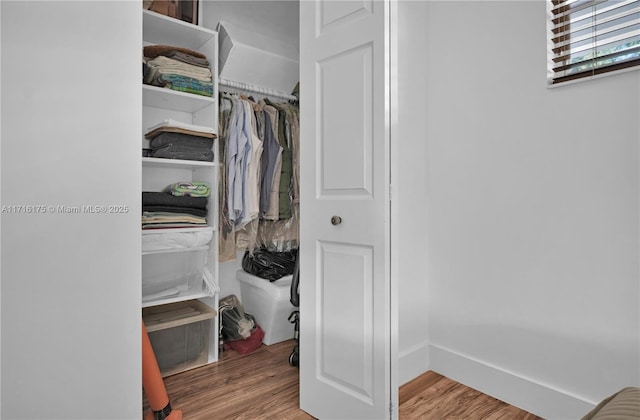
x=180 y=334
x=172 y=274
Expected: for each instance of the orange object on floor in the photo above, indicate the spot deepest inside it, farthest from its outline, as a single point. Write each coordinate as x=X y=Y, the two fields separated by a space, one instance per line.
x=154 y=385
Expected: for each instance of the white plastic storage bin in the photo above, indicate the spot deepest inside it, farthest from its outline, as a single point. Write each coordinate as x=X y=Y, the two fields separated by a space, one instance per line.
x=173 y=274
x=180 y=334
x=269 y=303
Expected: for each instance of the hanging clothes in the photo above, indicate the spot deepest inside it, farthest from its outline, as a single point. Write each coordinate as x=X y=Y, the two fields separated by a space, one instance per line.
x=259 y=145
x=274 y=183
x=286 y=142
x=226 y=236
x=283 y=234
x=251 y=187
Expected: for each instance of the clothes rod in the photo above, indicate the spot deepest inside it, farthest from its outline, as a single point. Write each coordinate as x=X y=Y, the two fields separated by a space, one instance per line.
x=256 y=89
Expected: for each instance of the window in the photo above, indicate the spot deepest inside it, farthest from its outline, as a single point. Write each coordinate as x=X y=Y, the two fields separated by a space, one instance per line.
x=591 y=37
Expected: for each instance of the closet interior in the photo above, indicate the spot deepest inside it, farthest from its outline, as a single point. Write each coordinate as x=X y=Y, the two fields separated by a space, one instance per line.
x=220 y=171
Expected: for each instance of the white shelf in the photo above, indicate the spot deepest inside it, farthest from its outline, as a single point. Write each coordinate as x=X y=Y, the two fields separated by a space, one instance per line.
x=163 y=30
x=188 y=295
x=177 y=230
x=159 y=97
x=176 y=163
x=176 y=250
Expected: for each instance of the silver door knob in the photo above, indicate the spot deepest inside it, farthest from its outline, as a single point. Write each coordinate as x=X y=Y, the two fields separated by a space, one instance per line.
x=336 y=220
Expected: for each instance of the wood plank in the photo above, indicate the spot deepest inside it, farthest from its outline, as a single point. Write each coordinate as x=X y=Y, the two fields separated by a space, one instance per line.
x=256 y=386
x=414 y=387
x=262 y=385
x=433 y=396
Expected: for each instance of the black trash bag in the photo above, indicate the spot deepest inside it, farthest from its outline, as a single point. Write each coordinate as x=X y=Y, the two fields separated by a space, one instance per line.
x=294 y=291
x=270 y=265
x=236 y=323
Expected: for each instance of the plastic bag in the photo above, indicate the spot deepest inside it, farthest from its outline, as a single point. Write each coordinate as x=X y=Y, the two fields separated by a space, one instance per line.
x=247 y=345
x=236 y=324
x=270 y=265
x=280 y=235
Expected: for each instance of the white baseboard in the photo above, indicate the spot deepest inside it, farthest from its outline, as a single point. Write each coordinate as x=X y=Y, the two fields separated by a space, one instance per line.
x=413 y=362
x=539 y=399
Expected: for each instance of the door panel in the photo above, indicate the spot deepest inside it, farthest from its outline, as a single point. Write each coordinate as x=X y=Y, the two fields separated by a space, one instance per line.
x=346 y=270
x=345 y=327
x=346 y=84
x=336 y=13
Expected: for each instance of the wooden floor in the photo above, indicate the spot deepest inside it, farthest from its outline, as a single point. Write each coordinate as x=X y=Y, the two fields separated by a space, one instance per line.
x=433 y=396
x=262 y=385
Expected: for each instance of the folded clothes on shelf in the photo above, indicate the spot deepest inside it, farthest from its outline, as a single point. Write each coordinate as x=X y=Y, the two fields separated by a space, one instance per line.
x=169 y=219
x=185 y=83
x=161 y=210
x=163 y=139
x=152 y=198
x=174 y=209
x=190 y=189
x=173 y=140
x=153 y=51
x=188 y=58
x=166 y=65
x=176 y=152
x=179 y=69
x=173 y=126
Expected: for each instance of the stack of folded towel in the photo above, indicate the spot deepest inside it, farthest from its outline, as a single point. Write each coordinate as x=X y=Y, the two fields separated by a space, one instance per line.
x=183 y=204
x=177 y=68
x=174 y=140
x=189 y=189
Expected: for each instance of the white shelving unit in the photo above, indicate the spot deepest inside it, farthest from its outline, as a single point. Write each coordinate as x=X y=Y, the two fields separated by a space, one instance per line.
x=178 y=275
x=176 y=163
x=158 y=97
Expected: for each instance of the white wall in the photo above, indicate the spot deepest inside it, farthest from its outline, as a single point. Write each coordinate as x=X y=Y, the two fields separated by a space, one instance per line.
x=259 y=42
x=532 y=214
x=408 y=175
x=229 y=285
x=274 y=19
x=71 y=106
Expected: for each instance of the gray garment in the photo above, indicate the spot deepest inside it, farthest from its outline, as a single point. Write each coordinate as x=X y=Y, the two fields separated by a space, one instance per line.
x=187 y=58
x=274 y=198
x=259 y=114
x=295 y=154
x=184 y=153
x=271 y=152
x=188 y=140
x=233 y=158
x=226 y=239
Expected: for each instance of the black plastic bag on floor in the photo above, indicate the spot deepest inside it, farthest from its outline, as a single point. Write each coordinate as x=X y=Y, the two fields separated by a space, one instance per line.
x=270 y=265
x=236 y=323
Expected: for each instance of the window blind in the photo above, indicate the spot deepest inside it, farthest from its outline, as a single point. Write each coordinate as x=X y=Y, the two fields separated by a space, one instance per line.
x=590 y=37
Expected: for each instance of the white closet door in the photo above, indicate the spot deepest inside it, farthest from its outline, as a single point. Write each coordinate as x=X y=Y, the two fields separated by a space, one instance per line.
x=345 y=352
